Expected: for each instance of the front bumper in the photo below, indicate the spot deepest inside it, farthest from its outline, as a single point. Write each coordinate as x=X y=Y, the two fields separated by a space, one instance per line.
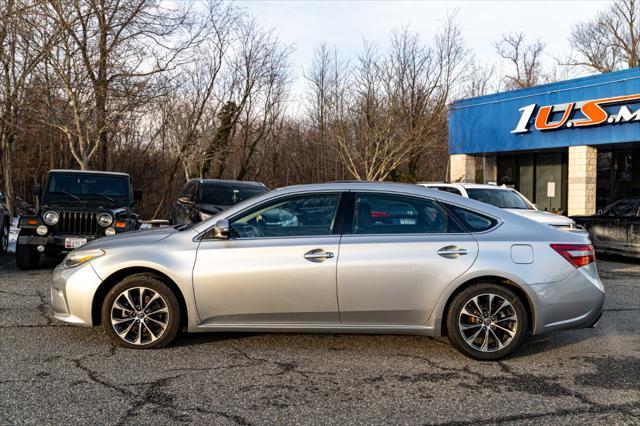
x=72 y=292
x=51 y=242
x=574 y=302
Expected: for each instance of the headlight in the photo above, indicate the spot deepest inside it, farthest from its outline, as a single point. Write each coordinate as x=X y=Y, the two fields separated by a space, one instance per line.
x=105 y=219
x=76 y=258
x=42 y=230
x=109 y=232
x=50 y=218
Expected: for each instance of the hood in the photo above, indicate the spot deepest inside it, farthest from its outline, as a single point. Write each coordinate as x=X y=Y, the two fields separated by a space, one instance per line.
x=212 y=208
x=142 y=237
x=547 y=218
x=86 y=205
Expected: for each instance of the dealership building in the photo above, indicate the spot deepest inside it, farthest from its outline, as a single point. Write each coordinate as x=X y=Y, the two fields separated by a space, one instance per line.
x=571 y=147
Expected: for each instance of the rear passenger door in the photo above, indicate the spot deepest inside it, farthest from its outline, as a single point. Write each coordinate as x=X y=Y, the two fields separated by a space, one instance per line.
x=396 y=257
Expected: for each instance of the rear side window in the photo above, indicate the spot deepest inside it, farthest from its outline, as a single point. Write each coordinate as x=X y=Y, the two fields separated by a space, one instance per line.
x=475 y=222
x=397 y=214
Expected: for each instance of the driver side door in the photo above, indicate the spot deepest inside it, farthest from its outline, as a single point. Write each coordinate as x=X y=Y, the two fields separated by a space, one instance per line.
x=277 y=267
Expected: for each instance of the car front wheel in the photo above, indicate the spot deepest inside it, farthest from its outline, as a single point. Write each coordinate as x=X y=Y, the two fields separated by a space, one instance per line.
x=141 y=312
x=487 y=321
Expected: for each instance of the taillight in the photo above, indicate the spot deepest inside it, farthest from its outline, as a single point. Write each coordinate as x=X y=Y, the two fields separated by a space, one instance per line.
x=377 y=214
x=577 y=254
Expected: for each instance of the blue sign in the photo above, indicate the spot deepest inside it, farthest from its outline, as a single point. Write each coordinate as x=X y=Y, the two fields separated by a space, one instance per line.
x=595 y=110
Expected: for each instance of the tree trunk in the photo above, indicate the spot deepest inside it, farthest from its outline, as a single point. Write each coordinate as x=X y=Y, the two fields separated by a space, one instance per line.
x=7 y=175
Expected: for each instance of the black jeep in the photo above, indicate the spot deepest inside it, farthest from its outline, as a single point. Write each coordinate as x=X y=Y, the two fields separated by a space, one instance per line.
x=76 y=207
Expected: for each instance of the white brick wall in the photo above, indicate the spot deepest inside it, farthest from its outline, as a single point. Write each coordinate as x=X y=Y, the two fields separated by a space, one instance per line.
x=462 y=168
x=582 y=180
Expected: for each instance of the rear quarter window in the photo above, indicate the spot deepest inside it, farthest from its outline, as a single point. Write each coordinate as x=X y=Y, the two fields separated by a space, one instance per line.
x=473 y=221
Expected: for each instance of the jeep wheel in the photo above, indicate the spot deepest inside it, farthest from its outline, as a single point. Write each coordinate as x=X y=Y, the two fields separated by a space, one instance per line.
x=27 y=257
x=4 y=239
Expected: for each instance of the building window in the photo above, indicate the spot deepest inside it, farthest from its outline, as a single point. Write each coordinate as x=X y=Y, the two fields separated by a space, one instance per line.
x=618 y=174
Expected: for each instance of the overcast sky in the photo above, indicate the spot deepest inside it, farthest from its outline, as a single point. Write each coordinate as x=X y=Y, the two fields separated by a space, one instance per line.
x=305 y=24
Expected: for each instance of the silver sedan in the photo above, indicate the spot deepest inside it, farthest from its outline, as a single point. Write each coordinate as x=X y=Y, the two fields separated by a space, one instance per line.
x=338 y=258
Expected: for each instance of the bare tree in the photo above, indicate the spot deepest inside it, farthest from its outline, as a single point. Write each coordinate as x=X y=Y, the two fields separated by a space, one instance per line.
x=480 y=80
x=611 y=41
x=19 y=57
x=105 y=55
x=386 y=115
x=194 y=95
x=525 y=58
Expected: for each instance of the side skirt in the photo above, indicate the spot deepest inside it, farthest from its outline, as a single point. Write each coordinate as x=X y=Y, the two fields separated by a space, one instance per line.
x=420 y=330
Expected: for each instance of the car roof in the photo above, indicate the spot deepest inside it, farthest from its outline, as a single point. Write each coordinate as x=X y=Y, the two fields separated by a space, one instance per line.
x=466 y=185
x=88 y=172
x=228 y=181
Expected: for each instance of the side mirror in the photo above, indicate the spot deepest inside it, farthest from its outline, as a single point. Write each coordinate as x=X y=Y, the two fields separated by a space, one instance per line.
x=37 y=190
x=602 y=212
x=137 y=195
x=185 y=199
x=221 y=230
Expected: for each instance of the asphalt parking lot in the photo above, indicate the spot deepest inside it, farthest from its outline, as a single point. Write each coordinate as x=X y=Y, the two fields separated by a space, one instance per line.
x=53 y=373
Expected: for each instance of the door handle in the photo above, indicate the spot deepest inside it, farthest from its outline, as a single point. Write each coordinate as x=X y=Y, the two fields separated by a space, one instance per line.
x=452 y=251
x=318 y=255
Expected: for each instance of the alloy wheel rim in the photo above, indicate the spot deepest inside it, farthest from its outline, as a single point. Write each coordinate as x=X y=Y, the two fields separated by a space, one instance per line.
x=139 y=315
x=488 y=322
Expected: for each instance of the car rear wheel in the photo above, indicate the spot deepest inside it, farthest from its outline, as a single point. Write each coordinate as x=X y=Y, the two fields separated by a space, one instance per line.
x=27 y=257
x=141 y=312
x=487 y=321
x=4 y=239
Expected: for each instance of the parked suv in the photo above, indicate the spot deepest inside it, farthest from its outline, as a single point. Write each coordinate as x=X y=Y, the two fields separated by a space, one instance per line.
x=505 y=198
x=76 y=207
x=202 y=198
x=5 y=223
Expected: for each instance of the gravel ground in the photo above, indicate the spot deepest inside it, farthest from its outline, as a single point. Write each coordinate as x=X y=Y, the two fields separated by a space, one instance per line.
x=51 y=373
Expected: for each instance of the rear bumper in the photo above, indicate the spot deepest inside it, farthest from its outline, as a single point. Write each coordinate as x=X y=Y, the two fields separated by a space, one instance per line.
x=574 y=302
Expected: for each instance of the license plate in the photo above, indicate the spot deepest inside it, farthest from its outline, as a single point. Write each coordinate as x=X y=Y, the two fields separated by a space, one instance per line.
x=72 y=243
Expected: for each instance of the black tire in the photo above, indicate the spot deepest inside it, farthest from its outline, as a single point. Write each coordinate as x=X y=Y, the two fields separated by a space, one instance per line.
x=27 y=257
x=493 y=352
x=4 y=238
x=169 y=298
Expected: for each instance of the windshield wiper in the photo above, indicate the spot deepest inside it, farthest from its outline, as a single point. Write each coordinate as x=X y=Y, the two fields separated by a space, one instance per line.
x=68 y=194
x=106 y=197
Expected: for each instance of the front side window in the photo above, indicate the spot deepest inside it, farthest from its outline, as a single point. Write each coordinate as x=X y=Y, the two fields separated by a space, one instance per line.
x=296 y=216
x=397 y=214
x=189 y=190
x=502 y=198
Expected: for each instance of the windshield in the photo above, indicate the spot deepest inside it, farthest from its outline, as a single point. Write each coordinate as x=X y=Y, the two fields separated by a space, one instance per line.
x=503 y=198
x=89 y=186
x=228 y=194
